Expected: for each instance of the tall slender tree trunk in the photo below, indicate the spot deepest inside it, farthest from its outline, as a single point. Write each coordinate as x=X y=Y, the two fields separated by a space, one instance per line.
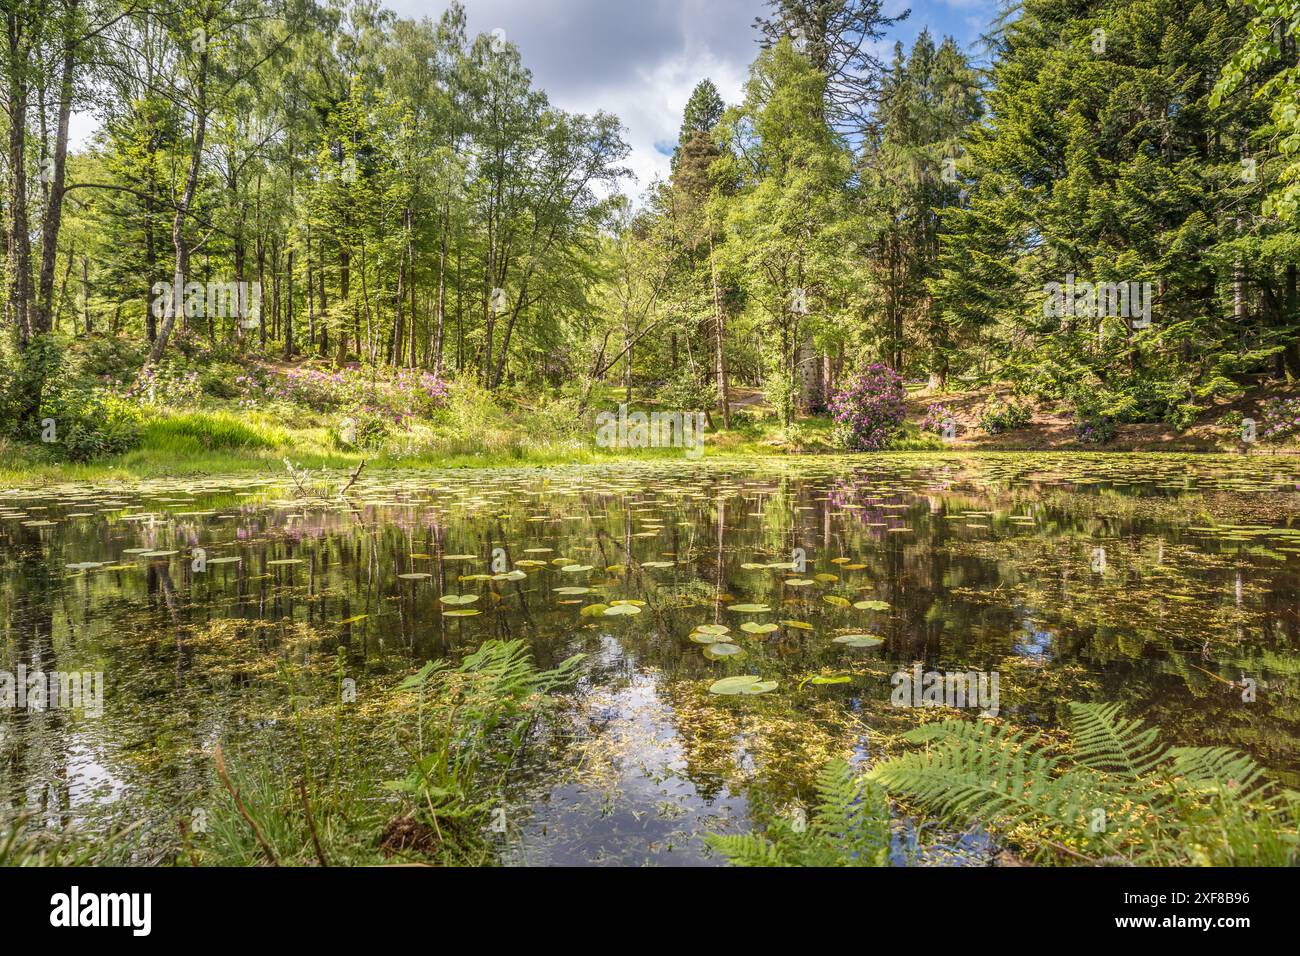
x=719 y=338
x=440 y=318
x=288 y=306
x=85 y=295
x=182 y=210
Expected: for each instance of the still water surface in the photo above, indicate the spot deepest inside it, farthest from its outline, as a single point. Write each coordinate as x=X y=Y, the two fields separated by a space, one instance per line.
x=1162 y=582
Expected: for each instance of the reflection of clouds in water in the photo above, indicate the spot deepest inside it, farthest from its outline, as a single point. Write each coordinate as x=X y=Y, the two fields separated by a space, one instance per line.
x=630 y=798
x=1036 y=644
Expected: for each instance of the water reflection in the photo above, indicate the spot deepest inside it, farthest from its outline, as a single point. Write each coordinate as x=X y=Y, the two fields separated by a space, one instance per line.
x=1161 y=582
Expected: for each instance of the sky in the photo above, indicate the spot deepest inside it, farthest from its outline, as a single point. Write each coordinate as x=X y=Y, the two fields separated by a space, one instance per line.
x=640 y=59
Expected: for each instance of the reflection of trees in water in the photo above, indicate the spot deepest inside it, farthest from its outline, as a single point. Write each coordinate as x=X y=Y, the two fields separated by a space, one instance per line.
x=37 y=747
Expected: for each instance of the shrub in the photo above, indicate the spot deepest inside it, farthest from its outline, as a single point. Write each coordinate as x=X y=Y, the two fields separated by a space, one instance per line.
x=935 y=417
x=1281 y=417
x=363 y=428
x=998 y=416
x=687 y=393
x=1095 y=429
x=172 y=385
x=106 y=358
x=870 y=408
x=396 y=395
x=93 y=424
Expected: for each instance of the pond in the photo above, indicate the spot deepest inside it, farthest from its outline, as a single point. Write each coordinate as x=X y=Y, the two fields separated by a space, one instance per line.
x=1169 y=584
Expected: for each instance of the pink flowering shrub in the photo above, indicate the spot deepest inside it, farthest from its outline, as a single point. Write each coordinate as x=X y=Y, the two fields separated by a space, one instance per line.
x=935 y=417
x=1281 y=418
x=870 y=408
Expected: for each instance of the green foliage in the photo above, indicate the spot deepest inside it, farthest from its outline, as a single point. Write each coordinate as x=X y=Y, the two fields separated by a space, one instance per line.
x=92 y=423
x=1271 y=21
x=849 y=826
x=1114 y=794
x=471 y=722
x=360 y=429
x=998 y=416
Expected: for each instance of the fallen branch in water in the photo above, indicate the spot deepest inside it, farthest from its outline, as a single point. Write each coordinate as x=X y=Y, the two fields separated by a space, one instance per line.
x=353 y=480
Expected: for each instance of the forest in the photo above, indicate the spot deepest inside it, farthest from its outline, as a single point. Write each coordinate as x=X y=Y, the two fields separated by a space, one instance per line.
x=321 y=201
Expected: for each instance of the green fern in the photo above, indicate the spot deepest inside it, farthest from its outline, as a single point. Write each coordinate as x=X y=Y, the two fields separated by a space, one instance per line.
x=849 y=827
x=472 y=722
x=1121 y=795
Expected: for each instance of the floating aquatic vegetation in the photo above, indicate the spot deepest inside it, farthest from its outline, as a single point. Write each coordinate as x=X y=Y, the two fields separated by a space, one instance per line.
x=859 y=640
x=742 y=686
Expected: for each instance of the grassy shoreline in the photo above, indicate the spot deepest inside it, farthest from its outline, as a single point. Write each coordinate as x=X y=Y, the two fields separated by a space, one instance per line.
x=225 y=439
x=25 y=467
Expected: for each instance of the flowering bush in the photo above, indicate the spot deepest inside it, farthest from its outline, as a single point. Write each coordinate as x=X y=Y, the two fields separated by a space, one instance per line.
x=935 y=417
x=1281 y=418
x=170 y=385
x=1095 y=429
x=870 y=408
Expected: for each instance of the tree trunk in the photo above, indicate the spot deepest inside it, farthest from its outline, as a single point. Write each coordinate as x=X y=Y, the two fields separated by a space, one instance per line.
x=182 y=210
x=288 y=307
x=719 y=338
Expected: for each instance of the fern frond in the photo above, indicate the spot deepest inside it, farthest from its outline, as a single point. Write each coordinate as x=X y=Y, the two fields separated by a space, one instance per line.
x=746 y=849
x=1120 y=794
x=1111 y=744
x=1208 y=769
x=852 y=816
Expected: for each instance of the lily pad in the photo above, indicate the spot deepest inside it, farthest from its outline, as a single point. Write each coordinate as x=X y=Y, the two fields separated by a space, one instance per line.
x=746 y=685
x=619 y=610
x=859 y=640
x=749 y=608
x=458 y=599
x=871 y=605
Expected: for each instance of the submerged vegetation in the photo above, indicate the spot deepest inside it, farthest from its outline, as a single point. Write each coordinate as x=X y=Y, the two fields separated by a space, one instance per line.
x=611 y=663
